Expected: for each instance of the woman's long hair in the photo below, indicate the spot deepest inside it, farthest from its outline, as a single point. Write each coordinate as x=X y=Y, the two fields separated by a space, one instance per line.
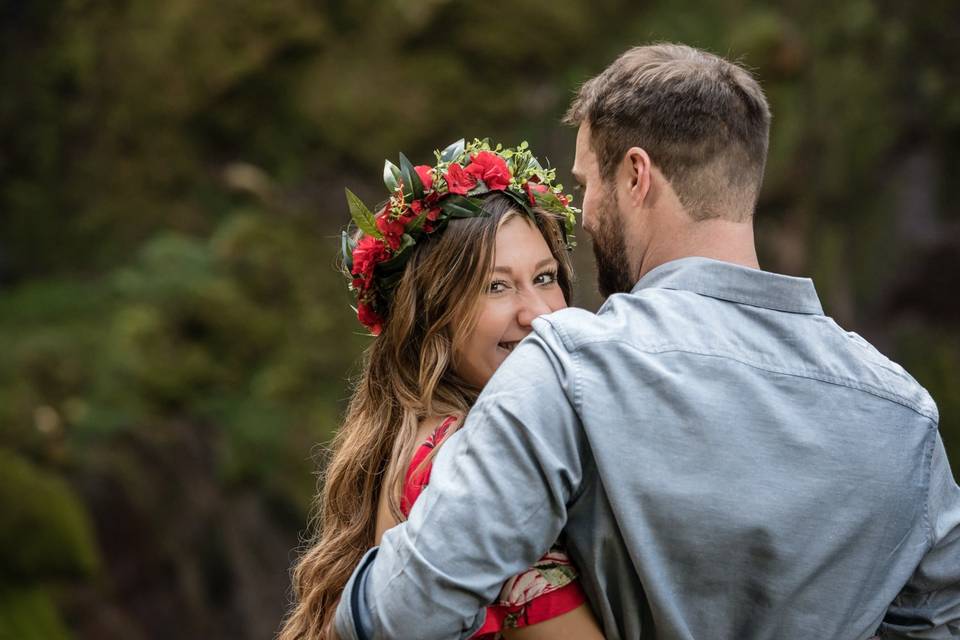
x=407 y=375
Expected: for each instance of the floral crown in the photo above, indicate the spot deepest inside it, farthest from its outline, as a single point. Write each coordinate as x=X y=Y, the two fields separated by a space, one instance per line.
x=424 y=199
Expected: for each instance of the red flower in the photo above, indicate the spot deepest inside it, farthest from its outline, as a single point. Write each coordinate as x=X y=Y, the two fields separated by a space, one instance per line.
x=458 y=180
x=426 y=177
x=433 y=214
x=368 y=253
x=490 y=168
x=369 y=318
x=392 y=229
x=532 y=187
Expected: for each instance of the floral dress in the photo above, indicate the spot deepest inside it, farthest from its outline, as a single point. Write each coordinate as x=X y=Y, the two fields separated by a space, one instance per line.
x=546 y=590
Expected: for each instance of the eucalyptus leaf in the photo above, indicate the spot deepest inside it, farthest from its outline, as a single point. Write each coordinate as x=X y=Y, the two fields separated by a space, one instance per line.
x=519 y=198
x=391 y=176
x=347 y=251
x=480 y=189
x=411 y=179
x=453 y=151
x=460 y=207
x=362 y=216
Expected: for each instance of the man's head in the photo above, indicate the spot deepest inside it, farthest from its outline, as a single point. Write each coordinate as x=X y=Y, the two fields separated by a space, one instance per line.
x=665 y=129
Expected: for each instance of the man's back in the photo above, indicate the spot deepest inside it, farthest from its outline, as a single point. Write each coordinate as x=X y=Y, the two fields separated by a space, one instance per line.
x=759 y=473
x=722 y=460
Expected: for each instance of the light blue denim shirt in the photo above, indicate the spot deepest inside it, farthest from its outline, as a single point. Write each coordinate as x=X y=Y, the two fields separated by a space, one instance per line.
x=721 y=460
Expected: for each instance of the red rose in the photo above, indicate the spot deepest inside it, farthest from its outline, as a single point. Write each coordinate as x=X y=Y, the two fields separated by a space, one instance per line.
x=433 y=214
x=368 y=253
x=392 y=229
x=426 y=176
x=490 y=168
x=369 y=318
x=458 y=180
x=532 y=187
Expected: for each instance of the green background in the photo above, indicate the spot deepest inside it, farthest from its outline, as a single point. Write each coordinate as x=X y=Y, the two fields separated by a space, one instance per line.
x=175 y=342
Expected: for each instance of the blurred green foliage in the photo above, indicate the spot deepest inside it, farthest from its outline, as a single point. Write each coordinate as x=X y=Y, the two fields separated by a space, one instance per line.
x=176 y=340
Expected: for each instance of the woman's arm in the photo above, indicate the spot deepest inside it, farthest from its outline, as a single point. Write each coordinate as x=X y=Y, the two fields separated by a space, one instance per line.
x=578 y=624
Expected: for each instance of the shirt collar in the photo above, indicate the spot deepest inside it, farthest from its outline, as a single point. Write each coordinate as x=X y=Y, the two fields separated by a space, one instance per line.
x=735 y=283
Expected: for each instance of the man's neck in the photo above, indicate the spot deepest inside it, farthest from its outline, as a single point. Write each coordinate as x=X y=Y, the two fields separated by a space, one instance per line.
x=718 y=239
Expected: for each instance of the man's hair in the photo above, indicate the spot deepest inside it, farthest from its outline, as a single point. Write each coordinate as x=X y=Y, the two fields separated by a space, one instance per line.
x=703 y=120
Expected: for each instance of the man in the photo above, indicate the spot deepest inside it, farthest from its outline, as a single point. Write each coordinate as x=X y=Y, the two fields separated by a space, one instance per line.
x=722 y=460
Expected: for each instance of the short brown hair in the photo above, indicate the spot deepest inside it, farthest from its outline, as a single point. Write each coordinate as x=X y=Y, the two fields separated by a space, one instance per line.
x=703 y=120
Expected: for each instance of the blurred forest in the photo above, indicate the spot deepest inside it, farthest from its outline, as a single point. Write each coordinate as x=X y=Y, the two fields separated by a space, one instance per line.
x=175 y=340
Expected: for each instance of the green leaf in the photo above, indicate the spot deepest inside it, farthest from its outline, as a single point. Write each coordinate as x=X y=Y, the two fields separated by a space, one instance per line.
x=389 y=282
x=417 y=223
x=519 y=198
x=401 y=257
x=362 y=217
x=520 y=163
x=454 y=151
x=411 y=179
x=457 y=206
x=549 y=202
x=480 y=189
x=391 y=176
x=346 y=250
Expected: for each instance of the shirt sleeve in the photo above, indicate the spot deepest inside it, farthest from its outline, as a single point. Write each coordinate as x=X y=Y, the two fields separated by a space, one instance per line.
x=495 y=504
x=929 y=605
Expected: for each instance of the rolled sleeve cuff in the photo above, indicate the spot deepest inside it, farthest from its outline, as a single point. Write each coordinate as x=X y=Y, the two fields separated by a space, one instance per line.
x=352 y=620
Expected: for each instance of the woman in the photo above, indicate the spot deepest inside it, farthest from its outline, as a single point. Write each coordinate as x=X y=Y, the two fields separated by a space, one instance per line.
x=448 y=275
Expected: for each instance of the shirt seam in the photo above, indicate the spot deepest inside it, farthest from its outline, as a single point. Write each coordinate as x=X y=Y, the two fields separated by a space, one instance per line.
x=927 y=475
x=578 y=410
x=750 y=301
x=841 y=382
x=577 y=401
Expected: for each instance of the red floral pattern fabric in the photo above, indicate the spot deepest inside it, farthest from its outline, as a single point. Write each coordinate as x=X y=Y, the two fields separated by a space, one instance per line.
x=546 y=590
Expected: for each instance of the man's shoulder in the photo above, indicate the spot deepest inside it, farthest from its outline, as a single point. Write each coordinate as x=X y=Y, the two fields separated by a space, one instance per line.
x=882 y=376
x=662 y=321
x=636 y=318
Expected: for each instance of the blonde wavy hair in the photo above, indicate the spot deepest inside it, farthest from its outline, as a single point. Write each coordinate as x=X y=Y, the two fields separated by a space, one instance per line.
x=408 y=374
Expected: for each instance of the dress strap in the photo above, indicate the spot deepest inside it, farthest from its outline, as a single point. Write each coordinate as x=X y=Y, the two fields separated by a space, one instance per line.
x=418 y=472
x=440 y=432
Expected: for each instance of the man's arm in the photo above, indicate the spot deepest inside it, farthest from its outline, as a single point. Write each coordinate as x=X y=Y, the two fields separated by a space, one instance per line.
x=495 y=503
x=929 y=605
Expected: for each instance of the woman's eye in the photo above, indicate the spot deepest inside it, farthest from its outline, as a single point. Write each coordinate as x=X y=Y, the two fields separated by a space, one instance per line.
x=547 y=277
x=498 y=286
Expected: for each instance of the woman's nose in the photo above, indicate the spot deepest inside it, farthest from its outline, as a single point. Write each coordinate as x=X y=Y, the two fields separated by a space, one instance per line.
x=532 y=304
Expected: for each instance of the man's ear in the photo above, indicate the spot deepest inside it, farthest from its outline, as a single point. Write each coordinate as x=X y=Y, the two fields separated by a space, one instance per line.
x=639 y=175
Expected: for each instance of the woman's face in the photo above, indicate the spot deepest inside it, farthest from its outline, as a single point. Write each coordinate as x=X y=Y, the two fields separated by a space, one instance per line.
x=523 y=285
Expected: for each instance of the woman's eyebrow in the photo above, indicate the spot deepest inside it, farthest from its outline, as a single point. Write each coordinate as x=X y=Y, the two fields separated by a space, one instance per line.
x=539 y=265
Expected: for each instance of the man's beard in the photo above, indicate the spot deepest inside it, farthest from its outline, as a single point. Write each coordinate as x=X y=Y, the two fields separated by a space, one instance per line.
x=610 y=249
